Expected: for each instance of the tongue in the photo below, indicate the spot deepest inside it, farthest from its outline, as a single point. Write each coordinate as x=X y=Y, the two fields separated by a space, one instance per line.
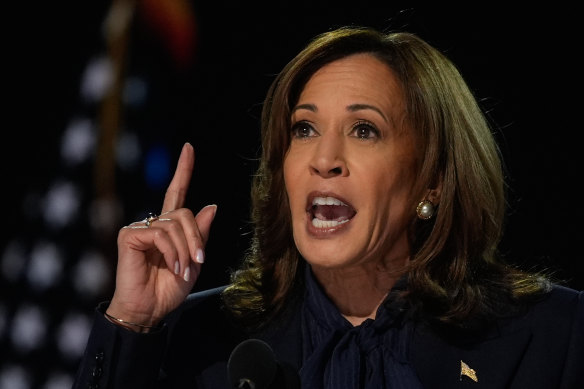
x=333 y=212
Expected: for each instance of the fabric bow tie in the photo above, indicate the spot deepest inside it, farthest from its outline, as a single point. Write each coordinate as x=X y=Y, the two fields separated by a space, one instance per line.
x=372 y=355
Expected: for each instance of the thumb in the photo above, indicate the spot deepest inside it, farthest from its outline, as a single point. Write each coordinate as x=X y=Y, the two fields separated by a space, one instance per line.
x=204 y=219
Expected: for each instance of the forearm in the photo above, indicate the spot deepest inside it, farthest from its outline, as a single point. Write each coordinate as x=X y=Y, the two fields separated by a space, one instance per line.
x=116 y=357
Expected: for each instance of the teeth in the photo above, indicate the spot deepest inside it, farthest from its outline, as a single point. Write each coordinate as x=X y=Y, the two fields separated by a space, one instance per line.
x=327 y=223
x=327 y=201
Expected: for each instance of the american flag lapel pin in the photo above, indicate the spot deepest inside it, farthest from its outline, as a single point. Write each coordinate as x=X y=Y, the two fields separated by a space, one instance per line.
x=467 y=371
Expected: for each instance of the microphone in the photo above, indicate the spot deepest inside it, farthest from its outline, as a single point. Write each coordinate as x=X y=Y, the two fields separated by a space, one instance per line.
x=253 y=365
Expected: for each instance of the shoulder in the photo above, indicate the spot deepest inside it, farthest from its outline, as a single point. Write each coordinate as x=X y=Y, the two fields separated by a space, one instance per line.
x=560 y=306
x=542 y=347
x=197 y=298
x=552 y=317
x=554 y=349
x=199 y=304
x=569 y=296
x=202 y=335
x=199 y=309
x=200 y=339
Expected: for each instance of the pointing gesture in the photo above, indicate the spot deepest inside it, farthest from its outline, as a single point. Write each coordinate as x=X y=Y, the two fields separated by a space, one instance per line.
x=160 y=260
x=177 y=190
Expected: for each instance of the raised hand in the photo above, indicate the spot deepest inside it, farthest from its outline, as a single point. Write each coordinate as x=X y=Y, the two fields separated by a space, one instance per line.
x=159 y=263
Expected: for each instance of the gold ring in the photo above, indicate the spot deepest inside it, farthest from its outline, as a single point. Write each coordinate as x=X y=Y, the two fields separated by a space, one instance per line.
x=152 y=217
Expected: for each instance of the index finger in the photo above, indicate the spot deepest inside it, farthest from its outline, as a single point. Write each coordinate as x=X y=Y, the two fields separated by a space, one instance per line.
x=177 y=189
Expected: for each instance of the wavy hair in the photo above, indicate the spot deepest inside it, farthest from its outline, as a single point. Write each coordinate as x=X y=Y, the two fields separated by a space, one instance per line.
x=455 y=273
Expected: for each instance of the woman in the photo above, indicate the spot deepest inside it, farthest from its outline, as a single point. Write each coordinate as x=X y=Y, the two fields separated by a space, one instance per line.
x=378 y=206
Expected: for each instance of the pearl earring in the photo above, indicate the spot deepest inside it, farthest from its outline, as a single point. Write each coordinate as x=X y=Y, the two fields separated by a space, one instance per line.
x=425 y=209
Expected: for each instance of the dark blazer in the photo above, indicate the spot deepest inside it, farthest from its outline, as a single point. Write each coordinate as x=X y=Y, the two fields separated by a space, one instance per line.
x=542 y=348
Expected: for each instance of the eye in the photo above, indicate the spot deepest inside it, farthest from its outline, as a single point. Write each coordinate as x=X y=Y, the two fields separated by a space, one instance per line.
x=303 y=129
x=365 y=130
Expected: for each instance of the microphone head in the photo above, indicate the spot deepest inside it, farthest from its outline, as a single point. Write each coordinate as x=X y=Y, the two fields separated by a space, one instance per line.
x=252 y=364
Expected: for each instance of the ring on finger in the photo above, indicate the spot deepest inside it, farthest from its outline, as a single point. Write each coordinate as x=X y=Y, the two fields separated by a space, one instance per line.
x=152 y=217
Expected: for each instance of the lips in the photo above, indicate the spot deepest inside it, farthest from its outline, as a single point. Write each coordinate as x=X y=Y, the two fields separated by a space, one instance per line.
x=328 y=212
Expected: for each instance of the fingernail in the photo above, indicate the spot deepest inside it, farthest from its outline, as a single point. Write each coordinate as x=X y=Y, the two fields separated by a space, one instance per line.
x=200 y=257
x=214 y=206
x=187 y=275
x=176 y=268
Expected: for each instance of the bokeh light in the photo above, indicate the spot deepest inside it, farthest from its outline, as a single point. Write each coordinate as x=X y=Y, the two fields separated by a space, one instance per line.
x=100 y=135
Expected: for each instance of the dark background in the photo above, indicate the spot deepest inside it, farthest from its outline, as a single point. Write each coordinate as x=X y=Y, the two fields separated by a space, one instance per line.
x=522 y=64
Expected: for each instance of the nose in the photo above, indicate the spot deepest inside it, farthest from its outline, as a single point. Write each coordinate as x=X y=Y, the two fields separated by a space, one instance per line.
x=328 y=160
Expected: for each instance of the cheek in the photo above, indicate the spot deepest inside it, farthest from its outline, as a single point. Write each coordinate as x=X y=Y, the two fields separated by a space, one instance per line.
x=290 y=180
x=391 y=187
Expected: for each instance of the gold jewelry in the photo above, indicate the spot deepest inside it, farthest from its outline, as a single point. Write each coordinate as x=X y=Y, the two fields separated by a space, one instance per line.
x=425 y=209
x=152 y=217
x=467 y=371
x=142 y=327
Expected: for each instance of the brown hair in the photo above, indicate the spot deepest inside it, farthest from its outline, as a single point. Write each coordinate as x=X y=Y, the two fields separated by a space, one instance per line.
x=454 y=270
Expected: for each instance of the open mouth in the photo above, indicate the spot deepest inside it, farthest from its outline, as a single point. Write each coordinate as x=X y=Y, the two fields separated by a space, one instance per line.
x=328 y=212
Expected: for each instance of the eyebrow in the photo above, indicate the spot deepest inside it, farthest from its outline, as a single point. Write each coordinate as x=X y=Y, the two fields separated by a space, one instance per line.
x=351 y=108
x=310 y=107
x=359 y=107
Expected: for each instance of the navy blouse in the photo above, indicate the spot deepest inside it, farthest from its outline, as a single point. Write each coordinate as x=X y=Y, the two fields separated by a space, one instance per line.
x=337 y=354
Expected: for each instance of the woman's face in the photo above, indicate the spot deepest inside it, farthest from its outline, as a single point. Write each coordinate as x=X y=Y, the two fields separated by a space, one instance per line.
x=351 y=166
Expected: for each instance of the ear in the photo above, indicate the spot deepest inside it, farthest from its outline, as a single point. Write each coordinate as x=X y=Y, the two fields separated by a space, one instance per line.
x=435 y=193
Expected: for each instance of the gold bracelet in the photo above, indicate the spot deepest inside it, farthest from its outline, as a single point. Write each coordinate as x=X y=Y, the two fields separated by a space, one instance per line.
x=143 y=328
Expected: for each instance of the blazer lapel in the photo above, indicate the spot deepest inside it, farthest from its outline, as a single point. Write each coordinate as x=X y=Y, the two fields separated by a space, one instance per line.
x=285 y=336
x=487 y=361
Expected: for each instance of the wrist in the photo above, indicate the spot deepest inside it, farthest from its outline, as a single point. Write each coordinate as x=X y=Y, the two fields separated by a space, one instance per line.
x=131 y=325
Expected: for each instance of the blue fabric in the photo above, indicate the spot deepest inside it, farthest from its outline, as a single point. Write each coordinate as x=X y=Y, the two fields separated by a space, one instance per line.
x=373 y=355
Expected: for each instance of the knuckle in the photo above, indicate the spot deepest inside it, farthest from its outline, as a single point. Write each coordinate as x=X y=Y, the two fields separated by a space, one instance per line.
x=158 y=233
x=122 y=233
x=184 y=213
x=173 y=225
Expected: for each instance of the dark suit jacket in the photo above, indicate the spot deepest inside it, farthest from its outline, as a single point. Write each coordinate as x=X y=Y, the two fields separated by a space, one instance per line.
x=542 y=348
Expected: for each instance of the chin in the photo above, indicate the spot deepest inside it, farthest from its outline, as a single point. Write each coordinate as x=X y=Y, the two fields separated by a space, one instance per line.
x=327 y=259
